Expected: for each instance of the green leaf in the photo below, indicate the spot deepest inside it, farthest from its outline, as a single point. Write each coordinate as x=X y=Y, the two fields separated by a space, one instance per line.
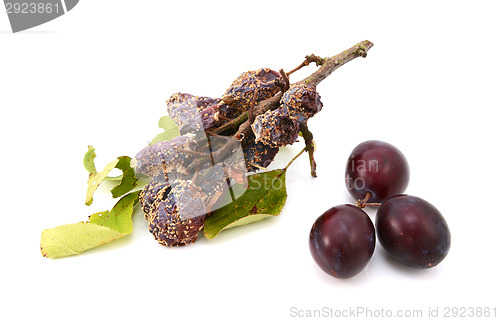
x=73 y=239
x=171 y=130
x=102 y=228
x=120 y=216
x=88 y=160
x=88 y=163
x=264 y=197
x=128 y=181
x=95 y=179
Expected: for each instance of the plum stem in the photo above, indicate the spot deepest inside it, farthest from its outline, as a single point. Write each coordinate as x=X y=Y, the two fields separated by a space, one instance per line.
x=294 y=158
x=308 y=138
x=363 y=203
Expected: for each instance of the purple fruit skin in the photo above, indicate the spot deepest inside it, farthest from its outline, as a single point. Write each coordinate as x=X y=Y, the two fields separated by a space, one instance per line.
x=413 y=231
x=379 y=168
x=342 y=241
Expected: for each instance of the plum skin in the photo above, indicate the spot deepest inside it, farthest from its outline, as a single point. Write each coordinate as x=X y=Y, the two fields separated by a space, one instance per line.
x=413 y=231
x=342 y=241
x=376 y=167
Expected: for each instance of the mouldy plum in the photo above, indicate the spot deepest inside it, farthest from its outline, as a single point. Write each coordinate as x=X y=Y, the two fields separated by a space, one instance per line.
x=166 y=156
x=239 y=95
x=259 y=154
x=153 y=194
x=275 y=129
x=301 y=102
x=179 y=217
x=193 y=113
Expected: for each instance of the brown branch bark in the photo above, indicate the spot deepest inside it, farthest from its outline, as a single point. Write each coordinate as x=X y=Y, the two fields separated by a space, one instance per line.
x=328 y=65
x=333 y=63
x=262 y=107
x=309 y=58
x=233 y=124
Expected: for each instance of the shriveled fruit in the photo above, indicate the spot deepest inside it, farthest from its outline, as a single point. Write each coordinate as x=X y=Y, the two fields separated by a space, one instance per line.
x=257 y=153
x=275 y=129
x=342 y=241
x=301 y=102
x=179 y=218
x=239 y=95
x=166 y=156
x=193 y=113
x=413 y=231
x=153 y=194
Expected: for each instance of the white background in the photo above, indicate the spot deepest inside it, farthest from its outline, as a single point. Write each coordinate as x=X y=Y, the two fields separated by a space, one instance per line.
x=100 y=75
